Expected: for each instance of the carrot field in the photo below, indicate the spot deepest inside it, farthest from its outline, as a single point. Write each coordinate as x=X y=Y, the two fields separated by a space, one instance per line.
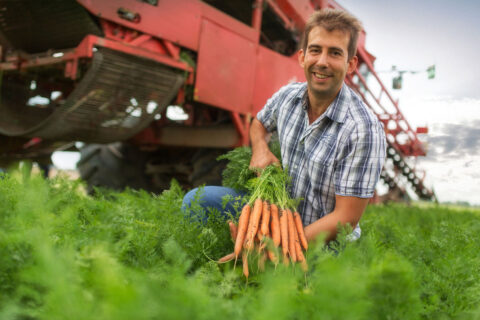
x=134 y=255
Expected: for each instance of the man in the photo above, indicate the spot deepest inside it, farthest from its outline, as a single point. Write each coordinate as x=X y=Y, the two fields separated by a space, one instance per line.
x=332 y=145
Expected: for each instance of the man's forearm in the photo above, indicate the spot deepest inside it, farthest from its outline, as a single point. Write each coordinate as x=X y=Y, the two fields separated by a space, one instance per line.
x=258 y=135
x=261 y=155
x=348 y=210
x=326 y=225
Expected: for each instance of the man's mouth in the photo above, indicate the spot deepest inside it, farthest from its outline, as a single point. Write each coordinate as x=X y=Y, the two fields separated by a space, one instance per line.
x=321 y=76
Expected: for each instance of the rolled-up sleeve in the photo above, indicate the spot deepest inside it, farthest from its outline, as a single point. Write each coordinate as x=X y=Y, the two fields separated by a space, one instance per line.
x=359 y=166
x=268 y=116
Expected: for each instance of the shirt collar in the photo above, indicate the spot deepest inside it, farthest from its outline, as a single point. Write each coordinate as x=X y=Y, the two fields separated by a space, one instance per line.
x=337 y=110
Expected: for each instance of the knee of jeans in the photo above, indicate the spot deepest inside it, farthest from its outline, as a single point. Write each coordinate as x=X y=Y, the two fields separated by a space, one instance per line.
x=188 y=199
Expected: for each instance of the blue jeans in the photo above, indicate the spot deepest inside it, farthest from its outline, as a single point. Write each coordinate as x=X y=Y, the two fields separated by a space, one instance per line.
x=212 y=197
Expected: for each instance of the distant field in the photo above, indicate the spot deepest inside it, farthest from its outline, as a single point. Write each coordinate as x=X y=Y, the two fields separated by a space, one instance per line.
x=132 y=255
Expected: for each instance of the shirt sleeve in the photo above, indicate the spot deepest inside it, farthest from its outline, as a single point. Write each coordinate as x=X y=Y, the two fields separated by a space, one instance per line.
x=358 y=169
x=268 y=116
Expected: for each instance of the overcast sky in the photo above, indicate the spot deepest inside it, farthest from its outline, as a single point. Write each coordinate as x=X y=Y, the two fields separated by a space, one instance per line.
x=413 y=35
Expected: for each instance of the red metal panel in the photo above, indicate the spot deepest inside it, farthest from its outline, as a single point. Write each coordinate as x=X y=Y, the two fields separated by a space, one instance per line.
x=227 y=22
x=422 y=130
x=270 y=77
x=225 y=69
x=175 y=20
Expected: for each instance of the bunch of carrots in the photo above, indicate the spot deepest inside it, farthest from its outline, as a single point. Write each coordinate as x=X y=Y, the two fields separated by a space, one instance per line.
x=267 y=224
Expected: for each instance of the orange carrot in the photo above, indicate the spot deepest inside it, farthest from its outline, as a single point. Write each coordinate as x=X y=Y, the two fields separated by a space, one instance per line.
x=258 y=236
x=241 y=230
x=284 y=233
x=263 y=243
x=253 y=224
x=291 y=235
x=233 y=230
x=272 y=256
x=298 y=248
x=245 y=264
x=299 y=252
x=300 y=256
x=265 y=218
x=275 y=225
x=301 y=232
x=227 y=258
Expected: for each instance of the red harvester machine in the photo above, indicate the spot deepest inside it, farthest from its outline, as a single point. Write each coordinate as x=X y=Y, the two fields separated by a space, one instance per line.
x=108 y=73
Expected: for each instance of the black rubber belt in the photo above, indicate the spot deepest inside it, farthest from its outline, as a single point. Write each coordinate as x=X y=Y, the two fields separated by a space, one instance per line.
x=117 y=97
x=36 y=26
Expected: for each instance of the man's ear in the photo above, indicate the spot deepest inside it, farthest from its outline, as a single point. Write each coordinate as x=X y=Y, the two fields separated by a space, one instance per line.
x=352 y=64
x=301 y=58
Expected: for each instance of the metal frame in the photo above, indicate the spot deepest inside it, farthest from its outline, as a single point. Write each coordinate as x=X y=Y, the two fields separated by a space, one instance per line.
x=160 y=32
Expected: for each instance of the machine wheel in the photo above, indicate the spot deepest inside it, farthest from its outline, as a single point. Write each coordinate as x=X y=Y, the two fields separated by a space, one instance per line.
x=114 y=166
x=206 y=169
x=117 y=166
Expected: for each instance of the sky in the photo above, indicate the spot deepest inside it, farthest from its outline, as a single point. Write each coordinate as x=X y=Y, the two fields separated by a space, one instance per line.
x=413 y=35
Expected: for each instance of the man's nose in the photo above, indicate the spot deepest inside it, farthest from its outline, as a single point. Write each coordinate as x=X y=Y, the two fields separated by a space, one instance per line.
x=322 y=59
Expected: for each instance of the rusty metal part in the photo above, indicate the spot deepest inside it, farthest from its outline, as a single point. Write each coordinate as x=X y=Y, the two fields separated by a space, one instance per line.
x=118 y=96
x=211 y=137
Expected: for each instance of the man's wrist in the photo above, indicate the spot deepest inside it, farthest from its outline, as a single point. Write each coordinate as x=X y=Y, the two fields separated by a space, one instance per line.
x=259 y=146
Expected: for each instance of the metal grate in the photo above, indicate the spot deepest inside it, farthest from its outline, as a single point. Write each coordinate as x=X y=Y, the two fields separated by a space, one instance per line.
x=118 y=96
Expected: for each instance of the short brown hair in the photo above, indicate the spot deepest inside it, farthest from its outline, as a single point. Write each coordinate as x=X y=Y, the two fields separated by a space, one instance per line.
x=334 y=19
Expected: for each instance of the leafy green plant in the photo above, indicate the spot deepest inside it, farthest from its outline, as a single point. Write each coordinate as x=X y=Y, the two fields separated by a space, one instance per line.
x=237 y=172
x=135 y=255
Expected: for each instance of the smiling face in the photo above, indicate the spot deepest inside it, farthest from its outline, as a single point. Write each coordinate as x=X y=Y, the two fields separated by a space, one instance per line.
x=325 y=62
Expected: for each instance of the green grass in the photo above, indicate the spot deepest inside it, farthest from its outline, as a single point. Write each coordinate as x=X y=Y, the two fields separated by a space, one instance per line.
x=133 y=255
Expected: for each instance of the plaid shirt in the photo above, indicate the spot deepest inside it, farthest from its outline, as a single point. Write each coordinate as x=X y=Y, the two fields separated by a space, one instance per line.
x=342 y=152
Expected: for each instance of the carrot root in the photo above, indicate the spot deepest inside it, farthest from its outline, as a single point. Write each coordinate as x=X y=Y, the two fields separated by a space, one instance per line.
x=241 y=230
x=227 y=258
x=284 y=234
x=253 y=225
x=233 y=230
x=272 y=257
x=265 y=218
x=300 y=230
x=245 y=265
x=291 y=236
x=275 y=225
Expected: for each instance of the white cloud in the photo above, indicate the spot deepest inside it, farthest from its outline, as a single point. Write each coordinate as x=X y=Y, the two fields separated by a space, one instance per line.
x=453 y=161
x=455 y=179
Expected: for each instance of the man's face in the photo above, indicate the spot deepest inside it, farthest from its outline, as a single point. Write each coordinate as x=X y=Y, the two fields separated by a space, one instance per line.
x=325 y=62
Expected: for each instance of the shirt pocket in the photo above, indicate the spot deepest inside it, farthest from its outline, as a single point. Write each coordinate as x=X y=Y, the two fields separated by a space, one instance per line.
x=321 y=163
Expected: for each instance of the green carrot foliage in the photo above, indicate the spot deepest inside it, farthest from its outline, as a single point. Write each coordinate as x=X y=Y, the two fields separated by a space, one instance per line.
x=135 y=255
x=269 y=184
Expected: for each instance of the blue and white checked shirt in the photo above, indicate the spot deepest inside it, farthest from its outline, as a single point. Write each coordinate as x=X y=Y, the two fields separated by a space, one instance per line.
x=342 y=152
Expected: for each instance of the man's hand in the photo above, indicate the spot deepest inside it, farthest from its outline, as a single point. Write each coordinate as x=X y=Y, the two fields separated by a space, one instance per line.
x=263 y=158
x=261 y=154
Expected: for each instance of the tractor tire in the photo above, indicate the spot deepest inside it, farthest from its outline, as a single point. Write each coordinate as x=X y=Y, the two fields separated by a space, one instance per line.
x=113 y=166
x=206 y=169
